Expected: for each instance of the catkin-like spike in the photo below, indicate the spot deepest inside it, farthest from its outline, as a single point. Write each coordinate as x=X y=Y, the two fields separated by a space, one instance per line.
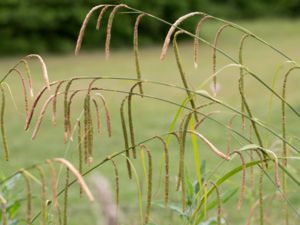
x=79 y=178
x=124 y=129
x=29 y=196
x=69 y=112
x=166 y=157
x=66 y=192
x=171 y=31
x=149 y=188
x=276 y=167
x=3 y=203
x=229 y=137
x=260 y=194
x=80 y=153
x=182 y=74
x=97 y=115
x=87 y=138
x=44 y=68
x=43 y=195
x=130 y=120
x=66 y=108
x=83 y=27
x=217 y=37
x=99 y=19
x=241 y=197
x=34 y=104
x=24 y=88
x=219 y=209
x=41 y=116
x=242 y=76
x=117 y=181
x=211 y=146
x=29 y=77
x=109 y=26
x=2 y=124
x=107 y=114
x=54 y=102
x=196 y=40
x=54 y=189
x=136 y=51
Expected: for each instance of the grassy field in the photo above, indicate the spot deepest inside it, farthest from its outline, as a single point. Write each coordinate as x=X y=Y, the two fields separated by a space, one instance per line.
x=152 y=117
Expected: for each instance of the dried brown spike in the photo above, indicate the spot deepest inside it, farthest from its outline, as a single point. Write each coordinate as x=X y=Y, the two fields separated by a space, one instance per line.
x=212 y=147
x=136 y=50
x=171 y=31
x=109 y=25
x=34 y=104
x=103 y=10
x=217 y=37
x=41 y=116
x=196 y=40
x=3 y=203
x=83 y=27
x=44 y=68
x=54 y=102
x=80 y=179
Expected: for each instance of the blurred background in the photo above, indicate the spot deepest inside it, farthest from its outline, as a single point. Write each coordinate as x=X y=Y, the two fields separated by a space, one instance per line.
x=53 y=25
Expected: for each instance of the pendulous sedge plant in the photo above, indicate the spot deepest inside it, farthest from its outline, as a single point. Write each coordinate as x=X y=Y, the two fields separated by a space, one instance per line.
x=198 y=111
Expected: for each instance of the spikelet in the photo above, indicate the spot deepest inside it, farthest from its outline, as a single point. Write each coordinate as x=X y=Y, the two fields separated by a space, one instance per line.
x=130 y=120
x=217 y=37
x=80 y=179
x=43 y=195
x=171 y=31
x=149 y=188
x=241 y=197
x=109 y=26
x=41 y=116
x=66 y=192
x=80 y=153
x=166 y=157
x=2 y=124
x=54 y=188
x=54 y=102
x=212 y=147
x=219 y=209
x=136 y=50
x=29 y=77
x=124 y=129
x=34 y=104
x=182 y=74
x=69 y=112
x=97 y=115
x=117 y=181
x=196 y=40
x=44 y=68
x=107 y=114
x=3 y=203
x=24 y=173
x=99 y=19
x=241 y=48
x=24 y=88
x=83 y=27
x=229 y=137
